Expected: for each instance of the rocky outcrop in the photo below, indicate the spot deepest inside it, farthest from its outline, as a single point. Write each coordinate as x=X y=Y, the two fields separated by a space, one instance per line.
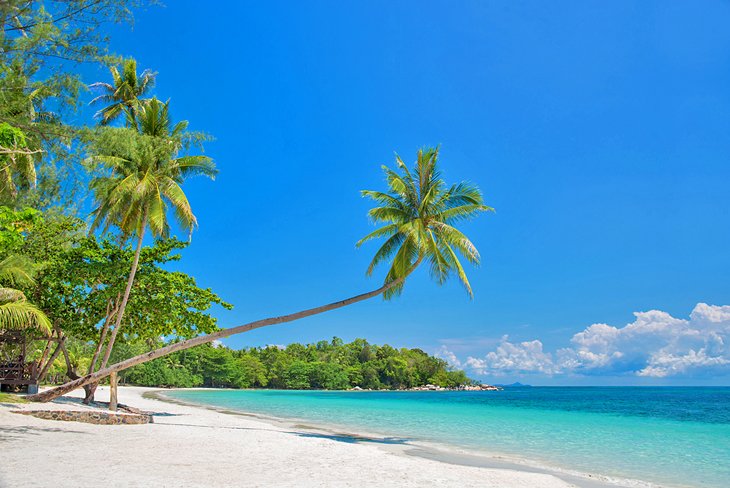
x=459 y=388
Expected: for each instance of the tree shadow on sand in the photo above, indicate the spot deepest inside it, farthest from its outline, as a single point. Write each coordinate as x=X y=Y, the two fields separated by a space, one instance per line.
x=347 y=438
x=12 y=433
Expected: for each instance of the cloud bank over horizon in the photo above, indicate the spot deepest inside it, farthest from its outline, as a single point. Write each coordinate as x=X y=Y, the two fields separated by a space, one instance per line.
x=654 y=345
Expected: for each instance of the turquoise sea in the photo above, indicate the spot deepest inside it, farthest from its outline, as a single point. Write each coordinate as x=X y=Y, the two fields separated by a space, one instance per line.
x=667 y=436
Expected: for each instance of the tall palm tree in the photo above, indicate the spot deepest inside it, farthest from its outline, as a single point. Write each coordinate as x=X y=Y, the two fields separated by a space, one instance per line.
x=419 y=211
x=143 y=184
x=125 y=92
x=15 y=310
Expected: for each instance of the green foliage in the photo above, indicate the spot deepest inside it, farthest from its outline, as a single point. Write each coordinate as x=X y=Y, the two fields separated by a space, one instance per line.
x=325 y=365
x=14 y=225
x=11 y=138
x=82 y=275
x=41 y=43
x=419 y=212
x=17 y=166
x=16 y=312
x=75 y=276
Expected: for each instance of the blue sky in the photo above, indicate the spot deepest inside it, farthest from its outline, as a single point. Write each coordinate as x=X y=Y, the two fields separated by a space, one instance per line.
x=598 y=130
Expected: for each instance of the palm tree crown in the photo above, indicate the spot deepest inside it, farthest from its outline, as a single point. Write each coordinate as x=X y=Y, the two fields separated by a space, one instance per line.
x=146 y=173
x=419 y=212
x=124 y=93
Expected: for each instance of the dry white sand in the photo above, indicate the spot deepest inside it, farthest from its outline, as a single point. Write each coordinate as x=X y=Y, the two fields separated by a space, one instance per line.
x=198 y=447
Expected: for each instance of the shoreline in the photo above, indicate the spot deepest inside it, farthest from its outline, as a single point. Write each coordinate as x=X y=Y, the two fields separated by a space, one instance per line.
x=202 y=446
x=437 y=451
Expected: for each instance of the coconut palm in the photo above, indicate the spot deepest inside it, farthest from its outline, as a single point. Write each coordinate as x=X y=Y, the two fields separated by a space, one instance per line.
x=15 y=310
x=124 y=93
x=145 y=174
x=419 y=212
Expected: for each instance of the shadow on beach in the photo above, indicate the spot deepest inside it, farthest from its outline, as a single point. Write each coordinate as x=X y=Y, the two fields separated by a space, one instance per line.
x=346 y=438
x=12 y=433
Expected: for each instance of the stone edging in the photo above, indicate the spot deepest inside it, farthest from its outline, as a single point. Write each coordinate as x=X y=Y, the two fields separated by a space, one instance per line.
x=89 y=417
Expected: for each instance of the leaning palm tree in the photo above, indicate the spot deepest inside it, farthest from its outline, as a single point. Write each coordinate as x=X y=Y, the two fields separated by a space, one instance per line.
x=125 y=92
x=419 y=212
x=16 y=313
x=142 y=184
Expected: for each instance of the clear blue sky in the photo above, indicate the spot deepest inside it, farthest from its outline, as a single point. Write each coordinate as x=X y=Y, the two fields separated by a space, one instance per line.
x=598 y=130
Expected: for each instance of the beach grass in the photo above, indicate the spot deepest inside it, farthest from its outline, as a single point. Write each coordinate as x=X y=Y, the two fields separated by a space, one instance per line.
x=10 y=398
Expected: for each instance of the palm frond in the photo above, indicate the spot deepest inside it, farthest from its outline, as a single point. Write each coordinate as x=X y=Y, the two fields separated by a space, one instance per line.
x=17 y=270
x=387 y=230
x=385 y=251
x=456 y=264
x=20 y=314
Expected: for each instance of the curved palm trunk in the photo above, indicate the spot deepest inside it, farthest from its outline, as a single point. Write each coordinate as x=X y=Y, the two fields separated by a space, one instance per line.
x=49 y=395
x=90 y=388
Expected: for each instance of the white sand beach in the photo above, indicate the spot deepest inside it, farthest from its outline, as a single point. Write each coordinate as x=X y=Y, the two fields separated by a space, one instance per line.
x=196 y=447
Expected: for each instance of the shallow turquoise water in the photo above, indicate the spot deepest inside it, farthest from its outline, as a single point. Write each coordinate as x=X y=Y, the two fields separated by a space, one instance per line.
x=670 y=436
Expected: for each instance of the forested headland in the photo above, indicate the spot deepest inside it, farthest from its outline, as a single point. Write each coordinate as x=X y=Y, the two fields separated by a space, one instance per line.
x=328 y=365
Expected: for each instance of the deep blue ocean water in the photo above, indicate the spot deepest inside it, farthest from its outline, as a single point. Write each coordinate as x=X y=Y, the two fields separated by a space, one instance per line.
x=668 y=436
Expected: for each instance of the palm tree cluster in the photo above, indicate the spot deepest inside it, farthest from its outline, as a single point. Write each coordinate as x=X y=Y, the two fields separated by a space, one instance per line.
x=142 y=172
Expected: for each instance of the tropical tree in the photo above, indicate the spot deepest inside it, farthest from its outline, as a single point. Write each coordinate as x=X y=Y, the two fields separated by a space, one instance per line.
x=42 y=44
x=419 y=211
x=144 y=174
x=124 y=94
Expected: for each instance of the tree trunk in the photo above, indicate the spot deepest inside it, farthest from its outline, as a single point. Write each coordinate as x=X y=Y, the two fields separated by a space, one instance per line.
x=44 y=356
x=90 y=389
x=70 y=372
x=49 y=395
x=125 y=298
x=120 y=313
x=113 y=392
x=53 y=357
x=110 y=313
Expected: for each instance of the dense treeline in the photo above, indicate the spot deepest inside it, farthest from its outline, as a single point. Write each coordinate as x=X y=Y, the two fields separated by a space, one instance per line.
x=331 y=365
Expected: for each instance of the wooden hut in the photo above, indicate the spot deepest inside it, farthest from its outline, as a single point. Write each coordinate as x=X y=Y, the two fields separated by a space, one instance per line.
x=16 y=370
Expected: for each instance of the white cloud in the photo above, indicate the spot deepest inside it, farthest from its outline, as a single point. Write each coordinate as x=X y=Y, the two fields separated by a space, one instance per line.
x=524 y=357
x=655 y=344
x=447 y=355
